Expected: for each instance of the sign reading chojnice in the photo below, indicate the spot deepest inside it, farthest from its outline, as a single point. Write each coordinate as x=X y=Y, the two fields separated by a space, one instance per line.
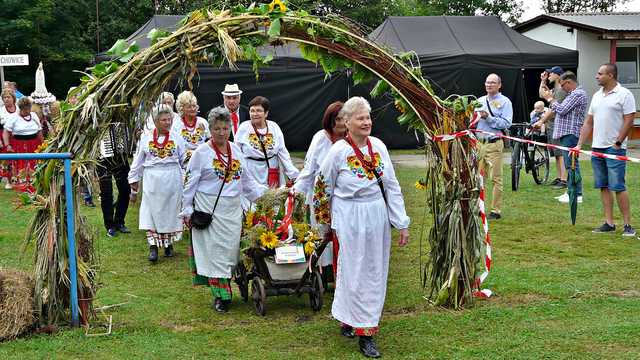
x=14 y=60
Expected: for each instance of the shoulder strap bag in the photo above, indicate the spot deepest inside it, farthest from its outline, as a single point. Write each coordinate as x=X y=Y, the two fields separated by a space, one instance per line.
x=201 y=219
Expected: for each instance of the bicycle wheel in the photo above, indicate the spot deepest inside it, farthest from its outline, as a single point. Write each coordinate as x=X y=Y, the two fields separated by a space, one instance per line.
x=540 y=160
x=516 y=165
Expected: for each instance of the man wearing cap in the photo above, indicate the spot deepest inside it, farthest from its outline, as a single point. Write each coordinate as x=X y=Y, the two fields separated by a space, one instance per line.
x=496 y=115
x=239 y=113
x=558 y=94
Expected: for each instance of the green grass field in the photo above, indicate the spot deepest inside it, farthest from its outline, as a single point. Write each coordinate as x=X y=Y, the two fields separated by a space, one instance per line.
x=561 y=293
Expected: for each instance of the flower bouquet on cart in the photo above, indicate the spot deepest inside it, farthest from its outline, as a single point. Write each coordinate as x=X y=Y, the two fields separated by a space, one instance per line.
x=278 y=230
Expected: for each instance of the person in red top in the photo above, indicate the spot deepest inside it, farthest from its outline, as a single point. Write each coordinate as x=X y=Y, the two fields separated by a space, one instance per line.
x=239 y=113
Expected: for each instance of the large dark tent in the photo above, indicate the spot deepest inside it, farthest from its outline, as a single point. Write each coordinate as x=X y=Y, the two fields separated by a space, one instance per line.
x=456 y=53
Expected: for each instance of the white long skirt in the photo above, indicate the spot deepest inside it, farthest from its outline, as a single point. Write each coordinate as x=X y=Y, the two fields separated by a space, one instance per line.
x=216 y=249
x=364 y=232
x=326 y=259
x=161 y=199
x=260 y=174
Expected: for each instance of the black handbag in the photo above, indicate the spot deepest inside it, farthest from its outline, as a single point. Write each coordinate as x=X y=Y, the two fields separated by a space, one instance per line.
x=200 y=219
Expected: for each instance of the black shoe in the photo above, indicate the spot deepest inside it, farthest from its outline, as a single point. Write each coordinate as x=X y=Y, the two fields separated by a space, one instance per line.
x=123 y=229
x=368 y=347
x=494 y=216
x=219 y=305
x=604 y=228
x=560 y=185
x=555 y=182
x=153 y=253
x=168 y=251
x=111 y=232
x=347 y=331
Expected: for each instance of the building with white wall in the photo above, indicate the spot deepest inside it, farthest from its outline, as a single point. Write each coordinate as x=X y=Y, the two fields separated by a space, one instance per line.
x=598 y=38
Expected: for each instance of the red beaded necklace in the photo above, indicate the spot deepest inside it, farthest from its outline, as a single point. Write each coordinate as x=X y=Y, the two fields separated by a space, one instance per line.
x=155 y=139
x=189 y=125
x=220 y=155
x=368 y=165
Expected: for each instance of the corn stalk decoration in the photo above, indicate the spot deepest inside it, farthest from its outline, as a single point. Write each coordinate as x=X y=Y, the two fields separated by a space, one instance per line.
x=125 y=89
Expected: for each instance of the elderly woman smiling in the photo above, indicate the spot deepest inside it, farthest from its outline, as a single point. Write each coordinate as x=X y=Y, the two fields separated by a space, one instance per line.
x=158 y=164
x=193 y=129
x=361 y=210
x=262 y=143
x=216 y=178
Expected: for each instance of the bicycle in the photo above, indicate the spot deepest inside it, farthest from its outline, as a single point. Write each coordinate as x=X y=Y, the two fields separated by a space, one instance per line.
x=533 y=158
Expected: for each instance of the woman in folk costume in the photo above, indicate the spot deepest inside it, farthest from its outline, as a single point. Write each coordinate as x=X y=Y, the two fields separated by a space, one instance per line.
x=334 y=129
x=158 y=163
x=262 y=143
x=193 y=129
x=23 y=133
x=348 y=196
x=216 y=179
x=7 y=109
x=166 y=98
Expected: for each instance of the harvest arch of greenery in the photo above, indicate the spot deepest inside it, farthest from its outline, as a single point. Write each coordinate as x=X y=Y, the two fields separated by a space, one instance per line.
x=126 y=88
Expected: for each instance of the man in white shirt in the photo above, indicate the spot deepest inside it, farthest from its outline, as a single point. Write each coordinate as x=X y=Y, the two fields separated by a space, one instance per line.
x=610 y=118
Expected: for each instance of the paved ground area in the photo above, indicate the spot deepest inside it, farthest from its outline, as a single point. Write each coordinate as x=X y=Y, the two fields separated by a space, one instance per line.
x=413 y=160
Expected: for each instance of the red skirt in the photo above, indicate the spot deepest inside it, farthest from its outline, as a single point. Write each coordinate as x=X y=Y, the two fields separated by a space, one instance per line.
x=5 y=171
x=22 y=170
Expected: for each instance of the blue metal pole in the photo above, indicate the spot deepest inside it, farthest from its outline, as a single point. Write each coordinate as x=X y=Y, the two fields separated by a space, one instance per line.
x=34 y=156
x=71 y=237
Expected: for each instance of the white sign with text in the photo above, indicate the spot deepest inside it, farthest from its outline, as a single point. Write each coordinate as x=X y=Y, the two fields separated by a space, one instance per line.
x=14 y=60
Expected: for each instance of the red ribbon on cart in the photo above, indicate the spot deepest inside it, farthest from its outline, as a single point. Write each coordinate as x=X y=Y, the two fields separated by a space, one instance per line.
x=286 y=220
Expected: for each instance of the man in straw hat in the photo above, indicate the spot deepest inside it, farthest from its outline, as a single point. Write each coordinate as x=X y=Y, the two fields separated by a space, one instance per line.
x=239 y=113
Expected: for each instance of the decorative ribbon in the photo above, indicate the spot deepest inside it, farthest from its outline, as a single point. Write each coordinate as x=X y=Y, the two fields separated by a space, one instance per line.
x=477 y=292
x=283 y=229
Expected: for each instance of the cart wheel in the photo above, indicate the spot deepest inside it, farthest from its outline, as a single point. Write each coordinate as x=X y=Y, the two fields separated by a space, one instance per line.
x=242 y=281
x=315 y=296
x=259 y=296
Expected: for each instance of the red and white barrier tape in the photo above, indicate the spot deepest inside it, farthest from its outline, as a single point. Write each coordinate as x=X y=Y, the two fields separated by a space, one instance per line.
x=477 y=292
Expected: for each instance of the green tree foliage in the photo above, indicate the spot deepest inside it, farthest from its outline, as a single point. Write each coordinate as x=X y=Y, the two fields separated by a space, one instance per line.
x=63 y=35
x=509 y=10
x=572 y=6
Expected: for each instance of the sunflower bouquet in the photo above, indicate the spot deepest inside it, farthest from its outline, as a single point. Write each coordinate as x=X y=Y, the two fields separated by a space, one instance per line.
x=280 y=218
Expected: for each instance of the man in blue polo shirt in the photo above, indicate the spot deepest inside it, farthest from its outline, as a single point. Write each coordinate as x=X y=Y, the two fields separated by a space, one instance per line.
x=496 y=115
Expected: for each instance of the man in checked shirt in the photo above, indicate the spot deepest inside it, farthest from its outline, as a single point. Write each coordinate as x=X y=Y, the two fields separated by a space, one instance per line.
x=569 y=116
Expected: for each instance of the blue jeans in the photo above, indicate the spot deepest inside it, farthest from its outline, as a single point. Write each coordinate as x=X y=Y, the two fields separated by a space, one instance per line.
x=571 y=141
x=609 y=173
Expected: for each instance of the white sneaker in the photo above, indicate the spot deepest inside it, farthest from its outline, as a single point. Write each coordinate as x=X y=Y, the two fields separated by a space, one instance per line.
x=562 y=197
x=8 y=186
x=565 y=199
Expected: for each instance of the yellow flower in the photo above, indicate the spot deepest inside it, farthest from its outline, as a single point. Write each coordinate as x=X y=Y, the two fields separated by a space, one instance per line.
x=269 y=240
x=421 y=184
x=248 y=219
x=235 y=165
x=278 y=3
x=309 y=246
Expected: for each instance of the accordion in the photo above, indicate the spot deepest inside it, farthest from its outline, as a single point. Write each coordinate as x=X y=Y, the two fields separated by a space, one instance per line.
x=116 y=141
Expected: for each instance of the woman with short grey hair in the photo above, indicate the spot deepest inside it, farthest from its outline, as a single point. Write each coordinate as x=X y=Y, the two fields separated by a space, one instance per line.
x=216 y=180
x=158 y=163
x=357 y=194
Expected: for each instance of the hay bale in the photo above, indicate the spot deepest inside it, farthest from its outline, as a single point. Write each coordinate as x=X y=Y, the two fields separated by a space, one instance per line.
x=16 y=303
